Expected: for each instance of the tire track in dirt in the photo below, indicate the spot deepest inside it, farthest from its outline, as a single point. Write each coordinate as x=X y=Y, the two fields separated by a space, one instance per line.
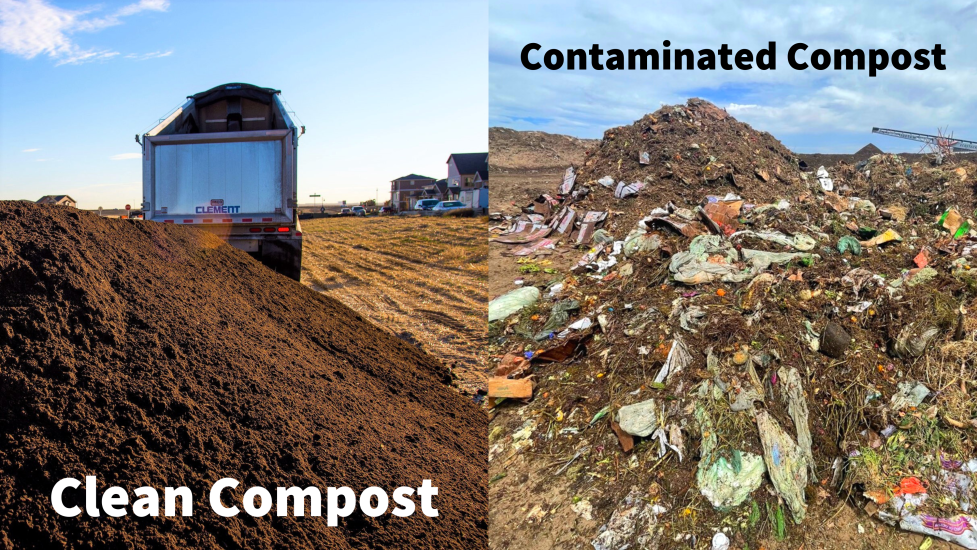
x=426 y=282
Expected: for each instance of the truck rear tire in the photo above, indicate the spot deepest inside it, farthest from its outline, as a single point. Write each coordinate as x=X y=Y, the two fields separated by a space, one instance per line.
x=283 y=256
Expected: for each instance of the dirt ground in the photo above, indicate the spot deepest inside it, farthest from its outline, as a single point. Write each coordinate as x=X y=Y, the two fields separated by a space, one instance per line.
x=515 y=150
x=423 y=279
x=516 y=188
x=526 y=164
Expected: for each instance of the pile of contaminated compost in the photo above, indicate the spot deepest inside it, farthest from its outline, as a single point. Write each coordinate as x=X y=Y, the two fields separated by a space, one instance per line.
x=687 y=359
x=694 y=150
x=151 y=354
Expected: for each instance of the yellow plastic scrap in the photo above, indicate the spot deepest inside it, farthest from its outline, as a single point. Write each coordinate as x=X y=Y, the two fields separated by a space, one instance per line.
x=888 y=236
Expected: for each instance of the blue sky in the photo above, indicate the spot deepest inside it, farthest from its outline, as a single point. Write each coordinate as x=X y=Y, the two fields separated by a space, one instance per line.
x=385 y=88
x=810 y=111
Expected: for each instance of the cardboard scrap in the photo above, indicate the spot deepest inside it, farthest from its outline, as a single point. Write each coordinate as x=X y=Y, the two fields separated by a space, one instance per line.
x=678 y=225
x=723 y=212
x=512 y=366
x=520 y=388
x=567 y=215
x=625 y=190
x=569 y=177
x=626 y=439
x=897 y=213
x=544 y=205
x=569 y=348
x=836 y=201
x=952 y=221
x=523 y=237
x=533 y=248
x=588 y=225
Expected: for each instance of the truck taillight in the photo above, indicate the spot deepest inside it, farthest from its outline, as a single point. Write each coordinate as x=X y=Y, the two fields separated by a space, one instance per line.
x=298 y=233
x=269 y=230
x=255 y=230
x=283 y=230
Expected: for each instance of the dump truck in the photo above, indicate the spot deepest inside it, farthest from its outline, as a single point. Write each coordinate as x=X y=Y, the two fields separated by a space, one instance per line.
x=226 y=162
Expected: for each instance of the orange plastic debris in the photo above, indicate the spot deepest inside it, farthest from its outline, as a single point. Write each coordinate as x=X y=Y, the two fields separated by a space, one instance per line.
x=879 y=497
x=720 y=292
x=910 y=486
x=922 y=259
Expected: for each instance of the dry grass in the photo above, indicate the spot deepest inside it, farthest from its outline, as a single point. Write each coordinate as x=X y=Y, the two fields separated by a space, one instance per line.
x=423 y=279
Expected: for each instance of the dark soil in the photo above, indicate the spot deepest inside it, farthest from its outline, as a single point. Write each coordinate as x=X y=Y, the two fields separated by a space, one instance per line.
x=814 y=160
x=149 y=354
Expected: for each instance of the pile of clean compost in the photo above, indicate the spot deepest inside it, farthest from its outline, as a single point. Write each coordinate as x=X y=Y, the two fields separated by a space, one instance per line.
x=151 y=354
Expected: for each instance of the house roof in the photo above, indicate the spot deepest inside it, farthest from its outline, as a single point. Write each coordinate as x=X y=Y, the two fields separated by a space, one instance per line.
x=413 y=177
x=51 y=199
x=471 y=163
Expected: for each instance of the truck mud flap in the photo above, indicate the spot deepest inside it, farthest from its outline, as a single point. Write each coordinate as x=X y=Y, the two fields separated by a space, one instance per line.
x=283 y=256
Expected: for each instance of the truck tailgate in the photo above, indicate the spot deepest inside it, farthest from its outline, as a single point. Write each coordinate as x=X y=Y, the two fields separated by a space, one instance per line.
x=234 y=178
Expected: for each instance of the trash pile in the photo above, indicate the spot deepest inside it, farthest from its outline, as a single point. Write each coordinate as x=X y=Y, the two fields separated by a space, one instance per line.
x=746 y=339
x=156 y=355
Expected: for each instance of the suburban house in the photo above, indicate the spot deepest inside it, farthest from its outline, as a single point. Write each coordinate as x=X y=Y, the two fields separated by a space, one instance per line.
x=464 y=167
x=58 y=199
x=406 y=191
x=438 y=190
x=468 y=179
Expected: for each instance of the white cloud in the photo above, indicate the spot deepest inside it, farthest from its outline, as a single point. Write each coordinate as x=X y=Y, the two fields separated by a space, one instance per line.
x=144 y=5
x=126 y=156
x=34 y=150
x=800 y=107
x=29 y=28
x=151 y=55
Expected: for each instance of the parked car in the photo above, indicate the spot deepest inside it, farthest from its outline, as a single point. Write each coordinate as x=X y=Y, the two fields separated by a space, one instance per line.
x=387 y=210
x=345 y=212
x=359 y=211
x=444 y=206
x=426 y=204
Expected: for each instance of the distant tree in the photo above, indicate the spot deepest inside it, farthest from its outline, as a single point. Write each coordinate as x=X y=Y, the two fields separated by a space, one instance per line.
x=370 y=202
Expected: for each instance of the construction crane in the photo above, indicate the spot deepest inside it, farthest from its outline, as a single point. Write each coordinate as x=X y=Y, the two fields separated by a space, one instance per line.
x=940 y=142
